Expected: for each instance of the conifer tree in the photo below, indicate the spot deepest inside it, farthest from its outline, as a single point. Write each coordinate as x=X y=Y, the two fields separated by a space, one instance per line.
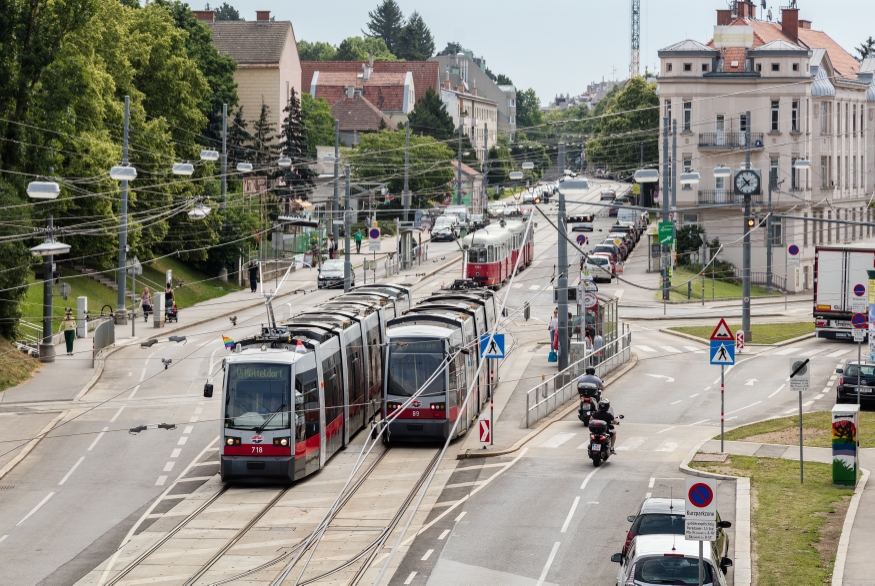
x=387 y=22
x=297 y=178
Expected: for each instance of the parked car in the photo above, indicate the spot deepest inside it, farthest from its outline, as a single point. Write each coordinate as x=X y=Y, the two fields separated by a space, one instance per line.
x=495 y=209
x=445 y=228
x=331 y=274
x=479 y=221
x=580 y=223
x=622 y=200
x=666 y=559
x=611 y=249
x=624 y=250
x=608 y=195
x=847 y=388
x=662 y=516
x=599 y=267
x=610 y=258
x=512 y=211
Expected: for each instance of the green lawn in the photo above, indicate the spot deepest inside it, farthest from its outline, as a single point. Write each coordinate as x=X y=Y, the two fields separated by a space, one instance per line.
x=721 y=289
x=796 y=526
x=816 y=430
x=760 y=333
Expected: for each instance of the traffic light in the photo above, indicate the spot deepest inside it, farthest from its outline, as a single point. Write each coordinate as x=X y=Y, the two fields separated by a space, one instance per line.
x=751 y=222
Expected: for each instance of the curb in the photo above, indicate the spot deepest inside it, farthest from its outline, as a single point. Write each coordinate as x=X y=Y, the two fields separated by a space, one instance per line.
x=32 y=444
x=466 y=453
x=704 y=341
x=688 y=317
x=838 y=572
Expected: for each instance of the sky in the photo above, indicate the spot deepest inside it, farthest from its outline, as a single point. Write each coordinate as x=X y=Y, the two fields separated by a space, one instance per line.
x=555 y=46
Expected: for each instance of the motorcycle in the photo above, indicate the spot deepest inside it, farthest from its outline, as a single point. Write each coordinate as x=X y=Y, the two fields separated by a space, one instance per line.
x=599 y=448
x=590 y=395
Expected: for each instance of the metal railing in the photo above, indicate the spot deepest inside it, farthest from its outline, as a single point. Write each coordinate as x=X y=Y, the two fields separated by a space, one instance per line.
x=730 y=140
x=554 y=392
x=760 y=278
x=725 y=196
x=104 y=337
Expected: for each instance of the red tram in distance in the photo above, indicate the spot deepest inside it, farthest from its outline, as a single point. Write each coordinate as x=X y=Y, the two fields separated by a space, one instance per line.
x=491 y=253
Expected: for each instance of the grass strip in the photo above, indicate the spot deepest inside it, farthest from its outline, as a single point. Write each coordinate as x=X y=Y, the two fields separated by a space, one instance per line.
x=714 y=288
x=16 y=367
x=795 y=527
x=760 y=333
x=816 y=430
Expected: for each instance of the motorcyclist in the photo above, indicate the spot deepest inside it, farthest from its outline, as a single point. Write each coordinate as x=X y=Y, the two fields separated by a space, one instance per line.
x=591 y=378
x=606 y=413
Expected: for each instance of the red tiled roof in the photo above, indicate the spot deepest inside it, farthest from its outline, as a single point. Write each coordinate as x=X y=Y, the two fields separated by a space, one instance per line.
x=385 y=91
x=359 y=115
x=467 y=170
x=425 y=73
x=255 y=42
x=733 y=55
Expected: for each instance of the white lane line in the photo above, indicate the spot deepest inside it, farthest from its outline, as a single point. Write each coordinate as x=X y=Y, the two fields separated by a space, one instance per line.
x=193 y=419
x=161 y=480
x=706 y=389
x=549 y=563
x=168 y=466
x=698 y=422
x=671 y=349
x=410 y=578
x=837 y=353
x=134 y=392
x=176 y=452
x=630 y=444
x=694 y=349
x=2 y=538
x=36 y=508
x=695 y=395
x=427 y=555
x=117 y=413
x=819 y=397
x=644 y=348
x=652 y=482
x=444 y=534
x=212 y=360
x=619 y=293
x=459 y=518
x=182 y=441
x=588 y=476
x=675 y=403
x=198 y=411
x=570 y=515
x=515 y=286
x=812 y=352
x=188 y=429
x=557 y=440
x=67 y=475
x=778 y=391
x=592 y=502
x=808 y=403
x=97 y=439
x=647 y=495
x=743 y=408
x=534 y=287
x=786 y=351
x=666 y=429
x=793 y=410
x=827 y=389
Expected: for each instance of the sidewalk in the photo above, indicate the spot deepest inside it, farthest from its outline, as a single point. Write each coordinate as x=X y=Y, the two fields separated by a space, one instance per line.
x=856 y=570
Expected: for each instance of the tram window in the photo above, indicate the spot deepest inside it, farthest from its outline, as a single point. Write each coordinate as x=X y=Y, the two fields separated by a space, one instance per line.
x=255 y=393
x=477 y=255
x=375 y=353
x=331 y=375
x=412 y=364
x=355 y=378
x=306 y=402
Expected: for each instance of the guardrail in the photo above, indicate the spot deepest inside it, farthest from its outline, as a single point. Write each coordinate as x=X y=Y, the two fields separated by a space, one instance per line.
x=104 y=337
x=554 y=392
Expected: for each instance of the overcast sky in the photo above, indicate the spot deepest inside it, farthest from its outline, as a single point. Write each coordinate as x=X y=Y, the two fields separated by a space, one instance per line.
x=555 y=46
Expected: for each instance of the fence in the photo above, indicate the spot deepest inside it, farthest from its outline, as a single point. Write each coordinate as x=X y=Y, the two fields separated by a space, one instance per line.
x=551 y=394
x=760 y=278
x=104 y=337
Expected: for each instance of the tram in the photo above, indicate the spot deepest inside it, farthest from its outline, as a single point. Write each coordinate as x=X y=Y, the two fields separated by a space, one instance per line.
x=522 y=244
x=298 y=391
x=437 y=342
x=491 y=253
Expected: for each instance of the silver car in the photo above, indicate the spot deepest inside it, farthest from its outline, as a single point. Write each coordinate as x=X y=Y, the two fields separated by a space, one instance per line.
x=331 y=274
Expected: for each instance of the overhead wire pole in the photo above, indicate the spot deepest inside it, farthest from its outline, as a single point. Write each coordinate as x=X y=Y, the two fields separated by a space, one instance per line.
x=563 y=270
x=405 y=196
x=745 y=260
x=336 y=204
x=224 y=156
x=769 y=237
x=122 y=277
x=664 y=195
x=635 y=68
x=47 y=348
x=347 y=264
x=459 y=167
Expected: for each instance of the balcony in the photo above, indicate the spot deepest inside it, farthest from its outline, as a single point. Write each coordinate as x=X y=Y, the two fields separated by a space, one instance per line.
x=729 y=140
x=726 y=197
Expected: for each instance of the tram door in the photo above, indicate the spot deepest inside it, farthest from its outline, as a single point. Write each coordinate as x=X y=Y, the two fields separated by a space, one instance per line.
x=355 y=380
x=332 y=391
x=308 y=416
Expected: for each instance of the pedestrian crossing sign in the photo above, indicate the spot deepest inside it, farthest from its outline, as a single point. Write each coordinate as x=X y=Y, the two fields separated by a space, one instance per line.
x=722 y=353
x=492 y=346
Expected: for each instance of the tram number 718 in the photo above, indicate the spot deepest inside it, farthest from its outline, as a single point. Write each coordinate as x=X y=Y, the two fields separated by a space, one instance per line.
x=256 y=449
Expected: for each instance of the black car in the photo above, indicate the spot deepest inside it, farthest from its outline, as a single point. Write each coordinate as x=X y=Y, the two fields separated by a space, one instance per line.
x=847 y=388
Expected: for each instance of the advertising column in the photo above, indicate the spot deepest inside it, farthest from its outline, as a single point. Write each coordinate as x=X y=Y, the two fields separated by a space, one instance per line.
x=845 y=454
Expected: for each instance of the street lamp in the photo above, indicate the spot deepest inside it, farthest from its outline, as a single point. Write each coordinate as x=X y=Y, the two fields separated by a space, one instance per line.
x=802 y=164
x=209 y=155
x=123 y=173
x=43 y=190
x=646 y=176
x=185 y=169
x=285 y=162
x=244 y=167
x=199 y=212
x=528 y=166
x=515 y=175
x=50 y=247
x=691 y=178
x=722 y=172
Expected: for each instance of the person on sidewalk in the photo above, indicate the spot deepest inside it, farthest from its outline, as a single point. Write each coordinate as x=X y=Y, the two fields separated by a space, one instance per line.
x=598 y=348
x=253 y=276
x=358 y=242
x=68 y=326
x=553 y=324
x=146 y=303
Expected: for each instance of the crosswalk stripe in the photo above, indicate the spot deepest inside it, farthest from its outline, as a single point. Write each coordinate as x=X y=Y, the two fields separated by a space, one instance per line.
x=671 y=349
x=786 y=351
x=644 y=348
x=694 y=350
x=812 y=352
x=534 y=287
x=837 y=353
x=630 y=444
x=557 y=440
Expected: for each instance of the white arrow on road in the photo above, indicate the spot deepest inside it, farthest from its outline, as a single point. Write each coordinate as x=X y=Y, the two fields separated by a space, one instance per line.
x=668 y=379
x=751 y=382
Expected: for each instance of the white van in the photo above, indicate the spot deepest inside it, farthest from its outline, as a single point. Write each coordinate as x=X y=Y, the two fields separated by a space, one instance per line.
x=461 y=212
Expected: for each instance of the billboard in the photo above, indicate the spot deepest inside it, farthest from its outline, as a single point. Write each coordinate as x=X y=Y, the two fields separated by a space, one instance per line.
x=726 y=37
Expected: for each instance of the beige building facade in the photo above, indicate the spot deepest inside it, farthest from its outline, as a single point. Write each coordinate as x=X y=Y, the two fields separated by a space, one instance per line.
x=809 y=101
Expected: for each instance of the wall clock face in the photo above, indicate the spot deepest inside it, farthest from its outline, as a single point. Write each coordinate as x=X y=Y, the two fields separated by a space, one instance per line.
x=747 y=182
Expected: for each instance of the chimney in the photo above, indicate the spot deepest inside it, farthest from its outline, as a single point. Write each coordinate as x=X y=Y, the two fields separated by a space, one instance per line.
x=366 y=72
x=806 y=24
x=350 y=92
x=724 y=17
x=746 y=9
x=262 y=15
x=446 y=83
x=474 y=88
x=790 y=23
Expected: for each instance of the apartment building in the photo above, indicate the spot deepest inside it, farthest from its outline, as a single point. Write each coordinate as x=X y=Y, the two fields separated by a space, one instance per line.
x=477 y=115
x=809 y=100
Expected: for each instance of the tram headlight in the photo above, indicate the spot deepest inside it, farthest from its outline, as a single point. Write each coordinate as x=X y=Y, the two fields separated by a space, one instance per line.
x=281 y=441
x=232 y=441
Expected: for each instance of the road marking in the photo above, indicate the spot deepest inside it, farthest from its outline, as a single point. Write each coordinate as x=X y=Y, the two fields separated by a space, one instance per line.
x=692 y=396
x=588 y=476
x=698 y=422
x=671 y=349
x=570 y=515
x=168 y=466
x=778 y=391
x=410 y=578
x=188 y=429
x=694 y=349
x=534 y=287
x=459 y=518
x=786 y=351
x=644 y=348
x=827 y=390
x=668 y=447
x=592 y=502
x=647 y=495
x=198 y=411
x=36 y=508
x=161 y=480
x=837 y=353
x=427 y=555
x=743 y=408
x=619 y=293
x=182 y=441
x=117 y=413
x=666 y=429
x=675 y=403
x=557 y=440
x=705 y=389
x=651 y=483
x=97 y=439
x=790 y=410
x=812 y=352
x=630 y=444
x=2 y=538
x=67 y=475
x=175 y=453
x=193 y=419
x=444 y=534
x=549 y=563
x=134 y=392
x=808 y=403
x=515 y=286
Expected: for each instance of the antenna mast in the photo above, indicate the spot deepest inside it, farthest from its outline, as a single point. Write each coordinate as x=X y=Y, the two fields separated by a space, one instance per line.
x=635 y=68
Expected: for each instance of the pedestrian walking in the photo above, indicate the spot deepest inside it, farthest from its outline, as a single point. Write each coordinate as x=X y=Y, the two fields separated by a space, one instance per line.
x=253 y=276
x=553 y=324
x=358 y=242
x=598 y=347
x=68 y=326
x=146 y=303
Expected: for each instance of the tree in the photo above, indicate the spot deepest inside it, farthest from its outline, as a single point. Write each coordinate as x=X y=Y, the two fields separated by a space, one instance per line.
x=263 y=147
x=528 y=110
x=359 y=49
x=500 y=165
x=415 y=41
x=469 y=155
x=867 y=49
x=317 y=51
x=298 y=178
x=386 y=23
x=430 y=117
x=502 y=79
x=225 y=12
x=239 y=139
x=318 y=123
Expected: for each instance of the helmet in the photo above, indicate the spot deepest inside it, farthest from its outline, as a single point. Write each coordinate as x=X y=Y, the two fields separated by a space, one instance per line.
x=604 y=404
x=590 y=370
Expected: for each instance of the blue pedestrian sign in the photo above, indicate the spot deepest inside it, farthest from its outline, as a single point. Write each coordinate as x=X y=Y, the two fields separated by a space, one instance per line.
x=581 y=239
x=722 y=353
x=492 y=348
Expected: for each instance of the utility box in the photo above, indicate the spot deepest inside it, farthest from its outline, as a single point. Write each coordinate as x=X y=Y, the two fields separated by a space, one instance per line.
x=845 y=448
x=81 y=317
x=158 y=309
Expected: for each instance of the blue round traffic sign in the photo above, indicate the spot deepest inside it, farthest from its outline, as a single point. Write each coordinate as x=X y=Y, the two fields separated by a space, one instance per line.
x=859 y=321
x=581 y=239
x=374 y=233
x=859 y=290
x=793 y=250
x=700 y=495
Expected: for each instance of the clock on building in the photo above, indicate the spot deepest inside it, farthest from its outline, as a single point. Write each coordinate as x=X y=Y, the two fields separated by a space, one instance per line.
x=747 y=182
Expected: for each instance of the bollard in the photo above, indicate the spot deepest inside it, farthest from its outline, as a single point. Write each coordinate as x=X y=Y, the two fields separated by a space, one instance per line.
x=689 y=290
x=527 y=312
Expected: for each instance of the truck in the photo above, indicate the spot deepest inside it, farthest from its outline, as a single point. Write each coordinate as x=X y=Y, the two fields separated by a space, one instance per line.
x=840 y=288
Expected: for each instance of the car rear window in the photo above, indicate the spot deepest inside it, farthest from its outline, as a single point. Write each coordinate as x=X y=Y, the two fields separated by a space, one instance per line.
x=605 y=248
x=653 y=524
x=670 y=570
x=852 y=369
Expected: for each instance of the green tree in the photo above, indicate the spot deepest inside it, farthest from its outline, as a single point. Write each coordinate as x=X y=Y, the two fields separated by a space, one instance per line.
x=430 y=117
x=415 y=42
x=226 y=12
x=298 y=178
x=867 y=49
x=528 y=110
x=386 y=23
x=359 y=49
x=263 y=147
x=500 y=165
x=318 y=123
x=239 y=139
x=317 y=51
x=502 y=79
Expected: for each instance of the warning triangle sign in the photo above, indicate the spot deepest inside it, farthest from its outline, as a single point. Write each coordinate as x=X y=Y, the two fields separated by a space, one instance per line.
x=722 y=333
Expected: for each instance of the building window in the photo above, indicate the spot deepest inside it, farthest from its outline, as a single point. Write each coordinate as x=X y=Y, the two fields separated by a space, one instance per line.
x=829 y=226
x=720 y=185
x=688 y=66
x=668 y=66
x=794 y=117
x=847 y=122
x=704 y=68
x=759 y=67
x=839 y=171
x=773 y=170
x=805 y=229
x=688 y=116
x=854 y=120
x=794 y=174
x=854 y=171
x=776 y=110
x=688 y=168
x=795 y=67
x=688 y=219
x=511 y=103
x=512 y=119
x=777 y=233
x=823 y=118
x=776 y=67
x=668 y=109
x=847 y=173
x=824 y=173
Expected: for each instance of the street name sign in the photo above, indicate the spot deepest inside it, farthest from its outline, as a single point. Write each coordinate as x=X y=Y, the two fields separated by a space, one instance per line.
x=700 y=510
x=800 y=374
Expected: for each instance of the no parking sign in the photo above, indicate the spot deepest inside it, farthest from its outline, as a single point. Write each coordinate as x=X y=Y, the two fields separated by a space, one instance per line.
x=581 y=239
x=700 y=512
x=374 y=239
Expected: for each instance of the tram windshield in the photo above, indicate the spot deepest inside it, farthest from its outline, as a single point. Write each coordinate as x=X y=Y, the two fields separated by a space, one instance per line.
x=411 y=364
x=258 y=396
x=477 y=254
